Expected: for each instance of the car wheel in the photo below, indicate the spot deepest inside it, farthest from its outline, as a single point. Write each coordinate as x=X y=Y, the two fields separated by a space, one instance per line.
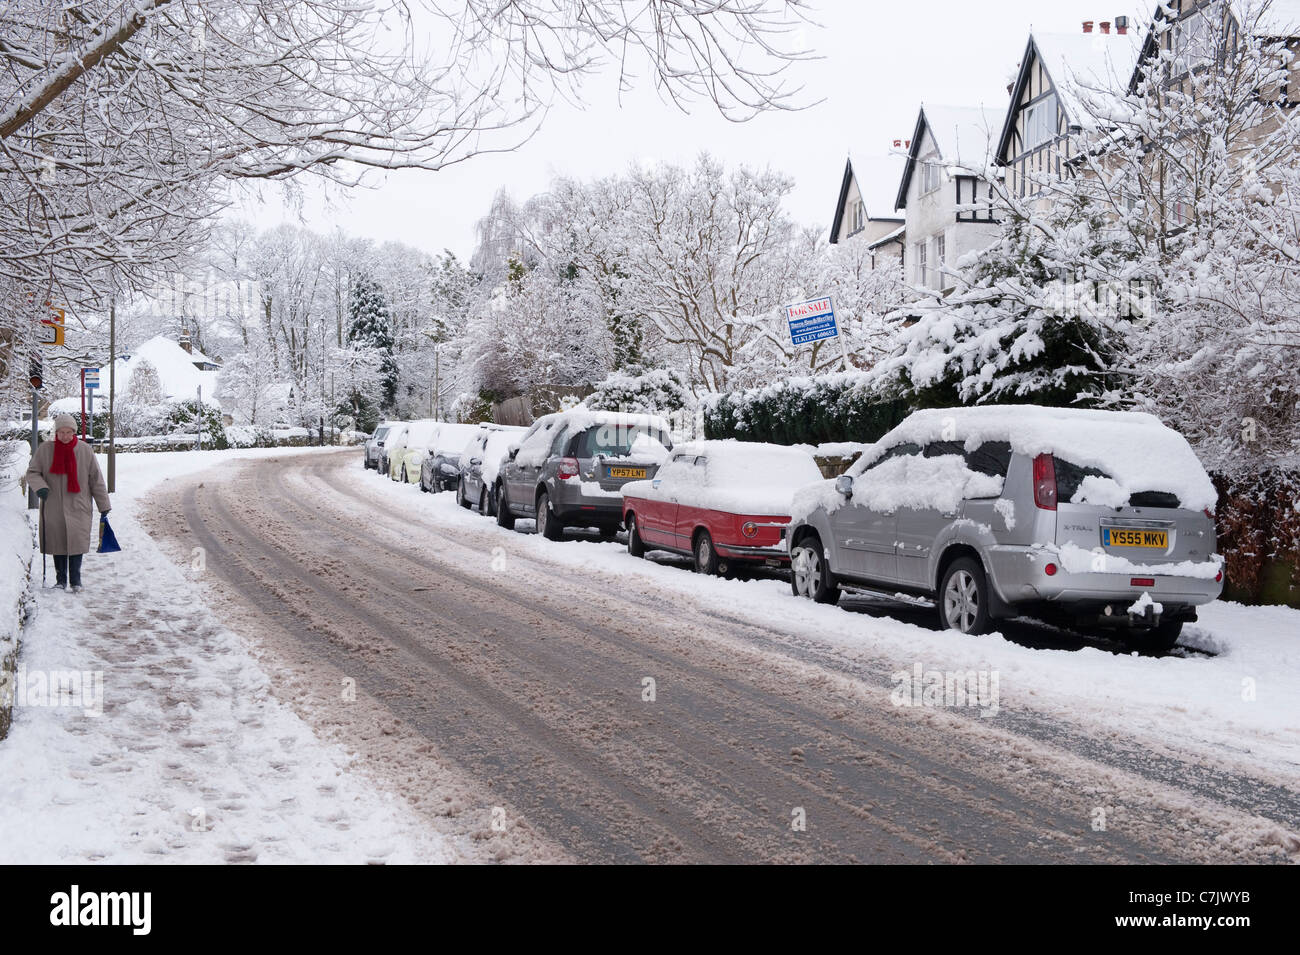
x=483 y=507
x=809 y=575
x=635 y=545
x=404 y=481
x=547 y=523
x=964 y=597
x=706 y=558
x=461 y=499
x=504 y=517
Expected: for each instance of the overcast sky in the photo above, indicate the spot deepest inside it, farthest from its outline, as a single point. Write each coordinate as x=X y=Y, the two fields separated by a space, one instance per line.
x=879 y=63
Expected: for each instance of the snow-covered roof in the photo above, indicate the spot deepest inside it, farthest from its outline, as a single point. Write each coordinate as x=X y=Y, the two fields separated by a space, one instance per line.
x=965 y=135
x=1086 y=62
x=889 y=237
x=877 y=176
x=1280 y=18
x=177 y=376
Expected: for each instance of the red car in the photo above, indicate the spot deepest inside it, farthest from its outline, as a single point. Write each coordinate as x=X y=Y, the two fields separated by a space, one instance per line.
x=723 y=503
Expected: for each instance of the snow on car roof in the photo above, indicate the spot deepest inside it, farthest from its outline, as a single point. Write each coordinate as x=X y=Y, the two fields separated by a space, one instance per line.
x=420 y=433
x=581 y=418
x=740 y=477
x=450 y=437
x=753 y=463
x=1133 y=448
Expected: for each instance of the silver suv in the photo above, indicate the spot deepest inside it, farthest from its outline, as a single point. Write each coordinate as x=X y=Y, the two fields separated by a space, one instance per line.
x=1095 y=518
x=567 y=469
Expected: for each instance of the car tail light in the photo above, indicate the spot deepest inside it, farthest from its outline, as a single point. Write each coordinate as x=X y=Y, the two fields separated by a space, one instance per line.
x=1208 y=513
x=1050 y=570
x=1045 y=482
x=749 y=529
x=1218 y=578
x=1142 y=582
x=568 y=467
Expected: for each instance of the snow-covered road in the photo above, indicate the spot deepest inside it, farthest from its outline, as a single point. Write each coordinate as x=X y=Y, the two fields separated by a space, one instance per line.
x=520 y=667
x=304 y=661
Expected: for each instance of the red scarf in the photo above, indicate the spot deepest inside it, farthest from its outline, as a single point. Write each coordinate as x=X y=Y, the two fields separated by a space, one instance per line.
x=65 y=462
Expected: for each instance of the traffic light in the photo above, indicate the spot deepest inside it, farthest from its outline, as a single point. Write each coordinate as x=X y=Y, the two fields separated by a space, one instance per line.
x=55 y=322
x=35 y=376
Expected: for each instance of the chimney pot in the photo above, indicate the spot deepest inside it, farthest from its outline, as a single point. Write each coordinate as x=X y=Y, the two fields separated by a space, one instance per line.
x=1105 y=26
x=1121 y=25
x=1087 y=26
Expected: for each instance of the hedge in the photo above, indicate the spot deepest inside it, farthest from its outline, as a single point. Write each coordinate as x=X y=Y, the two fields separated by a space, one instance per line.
x=844 y=406
x=1258 y=524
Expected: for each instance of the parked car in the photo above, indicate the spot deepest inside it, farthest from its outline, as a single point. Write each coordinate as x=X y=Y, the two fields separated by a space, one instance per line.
x=440 y=470
x=726 y=504
x=1094 y=518
x=569 y=467
x=396 y=433
x=406 y=452
x=479 y=464
x=375 y=444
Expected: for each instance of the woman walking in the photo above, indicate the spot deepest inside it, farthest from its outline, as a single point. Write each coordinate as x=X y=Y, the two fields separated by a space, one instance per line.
x=66 y=476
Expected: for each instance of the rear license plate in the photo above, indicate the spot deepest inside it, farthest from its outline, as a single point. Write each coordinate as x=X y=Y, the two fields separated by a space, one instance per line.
x=626 y=472
x=1134 y=537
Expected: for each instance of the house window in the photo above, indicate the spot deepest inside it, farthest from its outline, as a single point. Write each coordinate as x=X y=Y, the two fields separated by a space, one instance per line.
x=1040 y=122
x=922 y=261
x=859 y=215
x=929 y=174
x=1195 y=40
x=940 y=258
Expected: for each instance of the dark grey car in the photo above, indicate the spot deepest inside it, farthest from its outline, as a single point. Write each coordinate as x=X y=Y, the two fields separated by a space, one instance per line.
x=568 y=468
x=375 y=445
x=479 y=464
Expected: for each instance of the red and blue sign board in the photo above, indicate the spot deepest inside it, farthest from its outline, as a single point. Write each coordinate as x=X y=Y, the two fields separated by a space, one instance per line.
x=811 y=321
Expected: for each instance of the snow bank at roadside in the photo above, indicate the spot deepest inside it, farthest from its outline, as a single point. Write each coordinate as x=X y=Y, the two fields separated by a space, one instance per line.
x=15 y=563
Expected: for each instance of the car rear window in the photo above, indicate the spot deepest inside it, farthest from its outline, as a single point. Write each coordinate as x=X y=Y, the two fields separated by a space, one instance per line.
x=381 y=434
x=1069 y=477
x=614 y=441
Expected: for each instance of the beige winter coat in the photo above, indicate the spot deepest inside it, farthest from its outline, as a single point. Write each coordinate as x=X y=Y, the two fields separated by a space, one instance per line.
x=66 y=518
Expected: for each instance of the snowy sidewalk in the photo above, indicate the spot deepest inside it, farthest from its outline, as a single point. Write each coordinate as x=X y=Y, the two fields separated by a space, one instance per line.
x=192 y=759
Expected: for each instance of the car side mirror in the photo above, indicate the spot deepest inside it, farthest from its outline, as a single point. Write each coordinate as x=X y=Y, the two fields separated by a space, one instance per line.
x=844 y=485
x=513 y=452
x=476 y=461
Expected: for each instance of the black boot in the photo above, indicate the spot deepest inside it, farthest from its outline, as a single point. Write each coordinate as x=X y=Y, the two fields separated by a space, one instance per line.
x=61 y=571
x=74 y=571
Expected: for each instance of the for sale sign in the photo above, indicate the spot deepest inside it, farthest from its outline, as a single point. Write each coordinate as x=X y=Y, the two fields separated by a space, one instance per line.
x=811 y=321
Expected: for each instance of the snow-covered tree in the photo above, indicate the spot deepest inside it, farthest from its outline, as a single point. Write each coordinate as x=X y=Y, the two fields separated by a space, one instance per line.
x=140 y=408
x=371 y=326
x=123 y=121
x=1035 y=318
